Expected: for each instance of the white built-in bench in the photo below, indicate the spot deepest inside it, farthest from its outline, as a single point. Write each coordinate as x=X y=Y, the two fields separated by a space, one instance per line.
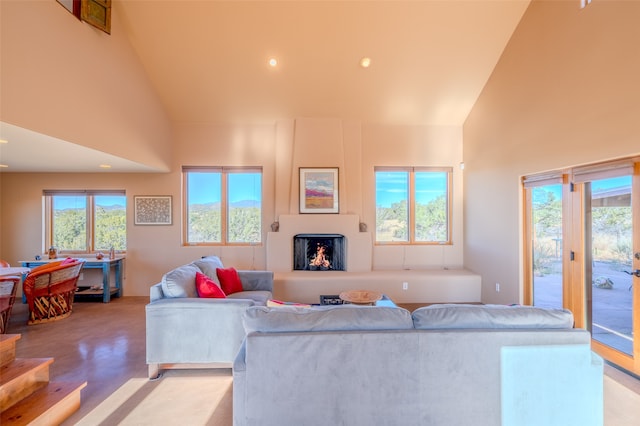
x=423 y=286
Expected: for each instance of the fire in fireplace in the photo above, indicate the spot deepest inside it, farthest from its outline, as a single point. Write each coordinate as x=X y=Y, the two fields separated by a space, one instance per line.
x=319 y=252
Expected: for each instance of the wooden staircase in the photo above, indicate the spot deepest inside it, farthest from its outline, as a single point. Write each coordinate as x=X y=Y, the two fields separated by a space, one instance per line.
x=26 y=395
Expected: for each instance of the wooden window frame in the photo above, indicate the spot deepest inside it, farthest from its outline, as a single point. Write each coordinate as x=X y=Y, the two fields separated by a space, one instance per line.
x=411 y=204
x=224 y=203
x=90 y=210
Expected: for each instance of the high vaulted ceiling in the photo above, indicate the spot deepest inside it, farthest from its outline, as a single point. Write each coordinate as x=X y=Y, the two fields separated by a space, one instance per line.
x=429 y=59
x=208 y=60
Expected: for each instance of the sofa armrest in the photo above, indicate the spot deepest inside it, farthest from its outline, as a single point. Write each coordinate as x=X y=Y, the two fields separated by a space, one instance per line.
x=256 y=280
x=540 y=383
x=240 y=386
x=193 y=330
x=155 y=292
x=240 y=362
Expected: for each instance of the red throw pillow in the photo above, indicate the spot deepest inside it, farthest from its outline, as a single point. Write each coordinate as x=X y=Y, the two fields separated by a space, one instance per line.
x=229 y=280
x=206 y=287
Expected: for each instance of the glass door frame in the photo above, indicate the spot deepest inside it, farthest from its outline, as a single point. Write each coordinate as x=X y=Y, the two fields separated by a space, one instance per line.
x=629 y=362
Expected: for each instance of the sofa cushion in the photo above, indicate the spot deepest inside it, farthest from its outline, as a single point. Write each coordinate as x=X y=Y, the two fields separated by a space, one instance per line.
x=260 y=297
x=206 y=287
x=208 y=266
x=449 y=316
x=229 y=280
x=326 y=318
x=180 y=282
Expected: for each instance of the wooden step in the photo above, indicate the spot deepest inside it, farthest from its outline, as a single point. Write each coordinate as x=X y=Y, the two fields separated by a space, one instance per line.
x=48 y=406
x=8 y=348
x=21 y=377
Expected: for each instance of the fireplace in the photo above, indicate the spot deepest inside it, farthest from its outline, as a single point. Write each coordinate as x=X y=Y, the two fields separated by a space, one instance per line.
x=319 y=252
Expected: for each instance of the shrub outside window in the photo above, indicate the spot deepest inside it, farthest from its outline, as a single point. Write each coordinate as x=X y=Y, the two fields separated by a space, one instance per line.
x=413 y=205
x=223 y=205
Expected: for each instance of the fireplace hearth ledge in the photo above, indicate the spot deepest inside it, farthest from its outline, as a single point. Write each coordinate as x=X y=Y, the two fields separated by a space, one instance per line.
x=423 y=286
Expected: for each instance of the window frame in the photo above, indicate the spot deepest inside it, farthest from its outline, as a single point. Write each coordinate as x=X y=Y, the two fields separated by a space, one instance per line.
x=90 y=211
x=224 y=203
x=411 y=203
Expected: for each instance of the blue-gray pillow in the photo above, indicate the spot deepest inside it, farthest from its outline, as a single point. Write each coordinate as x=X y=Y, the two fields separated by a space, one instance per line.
x=448 y=316
x=327 y=318
x=208 y=266
x=180 y=282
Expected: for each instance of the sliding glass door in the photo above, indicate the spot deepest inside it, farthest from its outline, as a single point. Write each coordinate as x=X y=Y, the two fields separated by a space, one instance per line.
x=582 y=252
x=609 y=250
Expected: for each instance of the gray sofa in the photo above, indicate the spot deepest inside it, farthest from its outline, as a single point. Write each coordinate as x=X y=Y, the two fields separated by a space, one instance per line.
x=184 y=330
x=442 y=365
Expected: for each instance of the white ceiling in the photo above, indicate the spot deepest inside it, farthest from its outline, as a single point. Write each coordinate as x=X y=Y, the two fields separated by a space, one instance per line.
x=208 y=60
x=28 y=151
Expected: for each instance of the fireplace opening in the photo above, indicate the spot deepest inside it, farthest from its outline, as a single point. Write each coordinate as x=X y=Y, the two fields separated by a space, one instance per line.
x=319 y=252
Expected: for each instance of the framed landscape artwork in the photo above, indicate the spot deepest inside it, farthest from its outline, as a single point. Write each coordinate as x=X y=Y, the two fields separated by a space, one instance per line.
x=152 y=210
x=319 y=190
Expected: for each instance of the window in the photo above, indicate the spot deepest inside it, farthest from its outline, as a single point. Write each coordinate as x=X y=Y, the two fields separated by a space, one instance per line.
x=543 y=197
x=413 y=205
x=223 y=205
x=86 y=221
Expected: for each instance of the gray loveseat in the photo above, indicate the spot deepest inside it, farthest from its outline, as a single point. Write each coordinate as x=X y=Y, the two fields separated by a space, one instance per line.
x=442 y=365
x=185 y=330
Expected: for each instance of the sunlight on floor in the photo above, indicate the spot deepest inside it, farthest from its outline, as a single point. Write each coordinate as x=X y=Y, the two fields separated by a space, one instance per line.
x=621 y=407
x=182 y=396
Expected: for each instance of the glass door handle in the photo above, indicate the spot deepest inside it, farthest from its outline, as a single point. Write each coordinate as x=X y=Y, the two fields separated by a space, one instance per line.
x=636 y=272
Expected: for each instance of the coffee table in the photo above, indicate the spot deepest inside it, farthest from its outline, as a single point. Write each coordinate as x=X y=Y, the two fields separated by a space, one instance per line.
x=334 y=299
x=361 y=297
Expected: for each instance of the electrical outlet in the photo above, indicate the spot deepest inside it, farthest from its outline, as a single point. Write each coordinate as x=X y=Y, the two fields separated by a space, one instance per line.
x=81 y=276
x=405 y=285
x=497 y=287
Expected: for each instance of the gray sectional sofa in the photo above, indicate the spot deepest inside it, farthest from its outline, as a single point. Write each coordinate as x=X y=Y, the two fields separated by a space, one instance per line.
x=184 y=330
x=442 y=365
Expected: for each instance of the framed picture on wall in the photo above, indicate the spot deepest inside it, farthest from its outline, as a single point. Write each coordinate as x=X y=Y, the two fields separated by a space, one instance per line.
x=152 y=209
x=319 y=190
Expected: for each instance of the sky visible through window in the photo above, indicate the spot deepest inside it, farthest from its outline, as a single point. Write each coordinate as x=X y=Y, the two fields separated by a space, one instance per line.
x=599 y=185
x=62 y=202
x=393 y=187
x=205 y=188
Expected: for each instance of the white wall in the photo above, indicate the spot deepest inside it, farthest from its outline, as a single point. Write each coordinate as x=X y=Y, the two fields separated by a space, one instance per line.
x=565 y=92
x=66 y=79
x=153 y=250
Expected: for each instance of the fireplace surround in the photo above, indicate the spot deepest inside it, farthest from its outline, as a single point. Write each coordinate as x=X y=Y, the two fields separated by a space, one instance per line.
x=357 y=245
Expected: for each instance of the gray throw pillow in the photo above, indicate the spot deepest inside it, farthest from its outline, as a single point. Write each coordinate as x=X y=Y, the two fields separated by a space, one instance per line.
x=180 y=282
x=208 y=265
x=448 y=316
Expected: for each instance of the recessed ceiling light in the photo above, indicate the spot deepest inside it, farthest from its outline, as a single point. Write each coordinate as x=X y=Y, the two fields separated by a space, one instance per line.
x=273 y=62
x=4 y=141
x=3 y=166
x=105 y=166
x=365 y=62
